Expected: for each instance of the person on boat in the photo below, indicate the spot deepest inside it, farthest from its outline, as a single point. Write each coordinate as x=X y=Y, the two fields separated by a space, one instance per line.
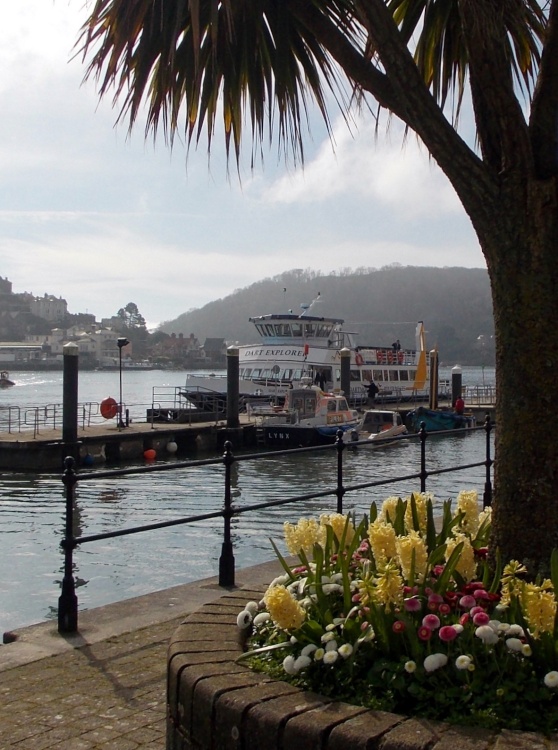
x=372 y=392
x=396 y=346
x=459 y=406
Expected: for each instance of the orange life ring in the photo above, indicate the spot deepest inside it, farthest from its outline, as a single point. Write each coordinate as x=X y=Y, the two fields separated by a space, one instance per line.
x=358 y=359
x=400 y=357
x=380 y=356
x=109 y=408
x=390 y=358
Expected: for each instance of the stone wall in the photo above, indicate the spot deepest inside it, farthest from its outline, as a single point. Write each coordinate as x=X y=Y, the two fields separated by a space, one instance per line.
x=216 y=704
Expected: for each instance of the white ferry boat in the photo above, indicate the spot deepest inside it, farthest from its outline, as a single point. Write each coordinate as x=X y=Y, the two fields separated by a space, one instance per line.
x=293 y=348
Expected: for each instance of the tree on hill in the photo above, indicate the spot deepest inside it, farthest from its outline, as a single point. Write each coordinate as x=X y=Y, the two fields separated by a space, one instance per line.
x=265 y=59
x=133 y=324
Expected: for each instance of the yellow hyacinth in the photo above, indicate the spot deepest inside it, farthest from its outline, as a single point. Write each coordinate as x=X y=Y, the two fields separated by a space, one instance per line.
x=382 y=541
x=539 y=607
x=338 y=521
x=421 y=499
x=405 y=547
x=389 y=585
x=511 y=582
x=466 y=565
x=303 y=535
x=283 y=608
x=468 y=503
x=388 y=510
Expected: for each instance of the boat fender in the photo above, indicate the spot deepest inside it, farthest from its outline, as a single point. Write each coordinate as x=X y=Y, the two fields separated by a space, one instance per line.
x=109 y=408
x=358 y=359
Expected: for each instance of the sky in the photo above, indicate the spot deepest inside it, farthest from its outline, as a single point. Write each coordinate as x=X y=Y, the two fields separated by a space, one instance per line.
x=102 y=217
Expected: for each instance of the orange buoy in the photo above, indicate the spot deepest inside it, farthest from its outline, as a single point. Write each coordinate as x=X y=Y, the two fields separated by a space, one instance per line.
x=150 y=454
x=109 y=408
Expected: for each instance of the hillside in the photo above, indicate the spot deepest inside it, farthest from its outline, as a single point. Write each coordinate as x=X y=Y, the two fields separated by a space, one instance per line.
x=381 y=305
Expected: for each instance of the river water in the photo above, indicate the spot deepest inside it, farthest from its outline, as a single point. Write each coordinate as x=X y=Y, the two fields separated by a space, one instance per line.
x=32 y=505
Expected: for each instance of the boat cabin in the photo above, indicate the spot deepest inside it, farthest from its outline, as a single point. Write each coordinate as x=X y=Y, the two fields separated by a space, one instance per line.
x=376 y=421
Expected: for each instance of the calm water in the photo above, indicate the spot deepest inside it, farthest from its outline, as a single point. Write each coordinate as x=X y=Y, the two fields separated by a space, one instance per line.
x=32 y=505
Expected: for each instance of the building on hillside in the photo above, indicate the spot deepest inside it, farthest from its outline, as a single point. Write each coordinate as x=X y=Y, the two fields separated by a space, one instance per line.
x=49 y=307
x=215 y=352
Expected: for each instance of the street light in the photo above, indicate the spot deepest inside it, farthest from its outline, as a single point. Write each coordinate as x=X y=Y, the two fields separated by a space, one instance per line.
x=120 y=343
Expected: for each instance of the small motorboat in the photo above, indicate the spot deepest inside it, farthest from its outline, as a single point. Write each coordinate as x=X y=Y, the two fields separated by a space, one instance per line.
x=381 y=426
x=309 y=416
x=436 y=420
x=5 y=381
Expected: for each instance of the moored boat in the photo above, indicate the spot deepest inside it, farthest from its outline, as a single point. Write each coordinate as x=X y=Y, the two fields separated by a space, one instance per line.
x=436 y=420
x=380 y=425
x=5 y=381
x=309 y=416
x=293 y=348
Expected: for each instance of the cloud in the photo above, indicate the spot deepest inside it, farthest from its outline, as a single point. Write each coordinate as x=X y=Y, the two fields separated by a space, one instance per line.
x=388 y=169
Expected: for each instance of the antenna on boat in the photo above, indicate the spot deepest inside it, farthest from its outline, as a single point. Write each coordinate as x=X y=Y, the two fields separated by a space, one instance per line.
x=306 y=307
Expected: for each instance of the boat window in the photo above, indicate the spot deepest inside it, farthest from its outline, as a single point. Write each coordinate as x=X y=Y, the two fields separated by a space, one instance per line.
x=386 y=375
x=278 y=329
x=309 y=330
x=261 y=329
x=393 y=375
x=269 y=329
x=387 y=419
x=297 y=329
x=403 y=375
x=378 y=375
x=287 y=374
x=247 y=372
x=337 y=376
x=256 y=373
x=343 y=406
x=331 y=406
x=355 y=376
x=412 y=374
x=297 y=374
x=367 y=375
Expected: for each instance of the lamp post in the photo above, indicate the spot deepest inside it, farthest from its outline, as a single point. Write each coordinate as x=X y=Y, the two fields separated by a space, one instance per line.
x=121 y=342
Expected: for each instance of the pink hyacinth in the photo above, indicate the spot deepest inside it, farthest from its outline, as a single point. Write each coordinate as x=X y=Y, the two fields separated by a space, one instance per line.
x=447 y=633
x=431 y=621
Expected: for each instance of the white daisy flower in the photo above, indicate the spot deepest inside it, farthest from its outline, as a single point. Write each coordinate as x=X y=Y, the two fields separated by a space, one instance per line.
x=330 y=657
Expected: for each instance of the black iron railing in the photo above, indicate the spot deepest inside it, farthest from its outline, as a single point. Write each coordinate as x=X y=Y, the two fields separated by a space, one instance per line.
x=68 y=604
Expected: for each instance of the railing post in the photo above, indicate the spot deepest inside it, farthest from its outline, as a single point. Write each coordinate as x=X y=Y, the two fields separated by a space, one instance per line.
x=340 y=445
x=487 y=495
x=226 y=561
x=423 y=473
x=67 y=601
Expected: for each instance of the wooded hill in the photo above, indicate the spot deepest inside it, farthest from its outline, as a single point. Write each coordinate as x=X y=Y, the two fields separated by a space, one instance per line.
x=380 y=305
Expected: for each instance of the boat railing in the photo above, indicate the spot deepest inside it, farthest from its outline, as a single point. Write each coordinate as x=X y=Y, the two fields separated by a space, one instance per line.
x=338 y=486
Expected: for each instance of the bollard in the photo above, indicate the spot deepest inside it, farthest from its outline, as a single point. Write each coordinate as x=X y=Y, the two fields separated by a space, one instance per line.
x=433 y=398
x=232 y=387
x=456 y=384
x=345 y=355
x=70 y=400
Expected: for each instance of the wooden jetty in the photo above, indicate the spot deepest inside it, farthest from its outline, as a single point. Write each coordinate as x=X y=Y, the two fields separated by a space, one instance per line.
x=102 y=443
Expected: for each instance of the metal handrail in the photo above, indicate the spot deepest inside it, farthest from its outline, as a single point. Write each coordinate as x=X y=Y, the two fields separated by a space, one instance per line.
x=67 y=603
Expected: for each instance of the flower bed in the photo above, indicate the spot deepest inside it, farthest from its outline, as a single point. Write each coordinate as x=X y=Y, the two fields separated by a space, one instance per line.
x=398 y=615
